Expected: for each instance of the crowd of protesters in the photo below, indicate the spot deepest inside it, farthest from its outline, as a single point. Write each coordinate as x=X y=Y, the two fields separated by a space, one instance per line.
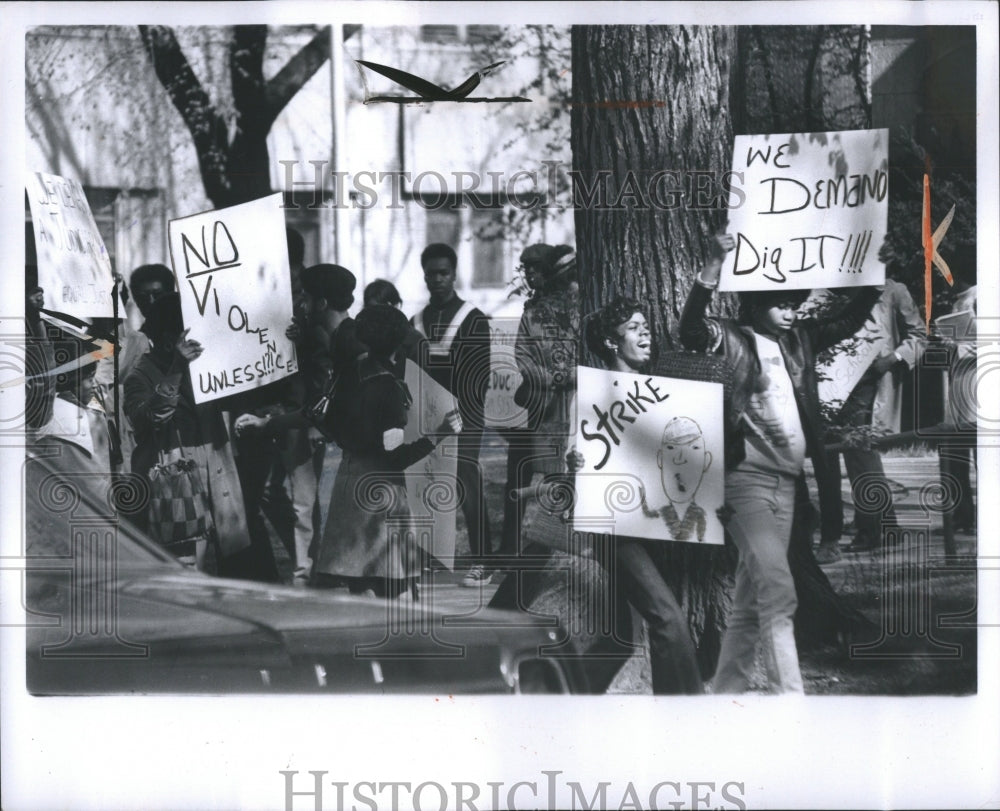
x=257 y=458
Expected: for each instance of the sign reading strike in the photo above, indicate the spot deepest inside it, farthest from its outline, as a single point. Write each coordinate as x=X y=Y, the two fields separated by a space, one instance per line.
x=653 y=456
x=236 y=295
x=815 y=212
x=74 y=268
x=431 y=483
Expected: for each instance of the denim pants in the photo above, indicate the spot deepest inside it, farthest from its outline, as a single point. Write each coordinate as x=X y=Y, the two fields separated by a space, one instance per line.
x=764 y=603
x=671 y=650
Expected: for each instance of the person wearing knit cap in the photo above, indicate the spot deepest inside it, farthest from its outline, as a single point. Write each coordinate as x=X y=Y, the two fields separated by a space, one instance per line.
x=546 y=355
x=535 y=260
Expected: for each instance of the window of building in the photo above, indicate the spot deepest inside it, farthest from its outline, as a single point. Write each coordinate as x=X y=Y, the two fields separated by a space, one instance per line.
x=455 y=34
x=440 y=33
x=481 y=224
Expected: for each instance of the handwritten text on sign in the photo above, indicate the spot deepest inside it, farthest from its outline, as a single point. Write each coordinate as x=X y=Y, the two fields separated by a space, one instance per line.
x=653 y=456
x=815 y=212
x=236 y=296
x=74 y=268
x=499 y=407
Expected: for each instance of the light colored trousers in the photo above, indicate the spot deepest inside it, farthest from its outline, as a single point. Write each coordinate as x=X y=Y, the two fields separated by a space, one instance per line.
x=764 y=602
x=302 y=485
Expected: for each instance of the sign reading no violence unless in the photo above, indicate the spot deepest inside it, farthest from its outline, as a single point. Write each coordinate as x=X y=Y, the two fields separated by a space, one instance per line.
x=815 y=211
x=236 y=295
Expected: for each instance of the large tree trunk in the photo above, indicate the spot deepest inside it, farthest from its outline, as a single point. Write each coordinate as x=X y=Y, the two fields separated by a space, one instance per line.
x=646 y=99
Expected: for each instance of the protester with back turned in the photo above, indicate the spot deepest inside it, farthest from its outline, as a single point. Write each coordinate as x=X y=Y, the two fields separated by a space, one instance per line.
x=159 y=401
x=546 y=355
x=368 y=542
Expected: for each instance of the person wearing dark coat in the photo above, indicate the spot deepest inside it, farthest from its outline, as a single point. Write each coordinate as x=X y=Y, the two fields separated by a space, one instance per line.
x=369 y=541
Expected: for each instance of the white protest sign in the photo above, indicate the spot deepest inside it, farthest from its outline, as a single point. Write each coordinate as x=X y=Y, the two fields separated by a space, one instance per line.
x=815 y=212
x=236 y=295
x=653 y=456
x=431 y=483
x=74 y=268
x=500 y=410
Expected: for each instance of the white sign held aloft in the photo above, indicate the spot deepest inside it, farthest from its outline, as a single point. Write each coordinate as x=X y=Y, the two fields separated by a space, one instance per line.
x=653 y=456
x=74 y=269
x=236 y=295
x=815 y=210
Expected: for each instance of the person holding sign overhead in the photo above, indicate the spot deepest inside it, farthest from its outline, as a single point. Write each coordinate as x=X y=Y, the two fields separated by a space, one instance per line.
x=619 y=335
x=774 y=422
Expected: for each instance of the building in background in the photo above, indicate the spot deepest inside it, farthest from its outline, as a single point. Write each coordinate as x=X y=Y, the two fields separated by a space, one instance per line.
x=473 y=175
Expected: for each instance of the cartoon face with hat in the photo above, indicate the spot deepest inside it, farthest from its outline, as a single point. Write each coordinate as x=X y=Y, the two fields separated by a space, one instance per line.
x=682 y=460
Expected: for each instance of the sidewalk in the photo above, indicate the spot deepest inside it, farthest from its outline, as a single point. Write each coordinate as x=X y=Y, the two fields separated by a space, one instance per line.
x=917 y=513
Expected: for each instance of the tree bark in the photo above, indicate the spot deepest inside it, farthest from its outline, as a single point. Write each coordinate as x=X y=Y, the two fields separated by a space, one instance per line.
x=647 y=99
x=234 y=171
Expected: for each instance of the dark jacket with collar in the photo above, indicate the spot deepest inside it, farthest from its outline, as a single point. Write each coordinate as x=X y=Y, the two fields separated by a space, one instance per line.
x=799 y=347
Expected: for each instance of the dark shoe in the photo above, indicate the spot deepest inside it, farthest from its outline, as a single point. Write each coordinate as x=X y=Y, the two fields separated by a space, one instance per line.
x=828 y=553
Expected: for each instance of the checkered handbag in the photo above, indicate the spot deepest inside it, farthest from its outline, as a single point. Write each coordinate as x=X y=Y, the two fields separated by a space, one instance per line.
x=178 y=501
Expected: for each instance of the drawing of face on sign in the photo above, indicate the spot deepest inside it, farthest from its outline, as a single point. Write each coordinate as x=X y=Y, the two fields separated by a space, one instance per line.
x=683 y=461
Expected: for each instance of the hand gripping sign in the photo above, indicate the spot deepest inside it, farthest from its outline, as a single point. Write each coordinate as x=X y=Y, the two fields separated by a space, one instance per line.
x=815 y=212
x=236 y=295
x=653 y=454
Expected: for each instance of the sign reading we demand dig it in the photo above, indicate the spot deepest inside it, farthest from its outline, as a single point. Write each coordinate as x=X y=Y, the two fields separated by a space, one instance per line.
x=236 y=295
x=815 y=212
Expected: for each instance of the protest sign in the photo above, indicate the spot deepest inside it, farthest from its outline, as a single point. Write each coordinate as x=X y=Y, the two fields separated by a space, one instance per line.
x=815 y=210
x=236 y=295
x=653 y=456
x=500 y=410
x=74 y=268
x=431 y=483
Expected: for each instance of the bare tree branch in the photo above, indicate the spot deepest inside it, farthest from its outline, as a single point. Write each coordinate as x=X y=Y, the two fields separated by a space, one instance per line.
x=207 y=128
x=300 y=69
x=246 y=67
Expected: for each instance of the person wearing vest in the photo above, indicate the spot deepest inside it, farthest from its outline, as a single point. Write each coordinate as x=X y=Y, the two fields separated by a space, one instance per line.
x=459 y=359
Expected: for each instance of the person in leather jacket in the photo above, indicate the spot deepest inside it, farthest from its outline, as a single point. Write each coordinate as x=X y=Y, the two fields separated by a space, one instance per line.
x=773 y=423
